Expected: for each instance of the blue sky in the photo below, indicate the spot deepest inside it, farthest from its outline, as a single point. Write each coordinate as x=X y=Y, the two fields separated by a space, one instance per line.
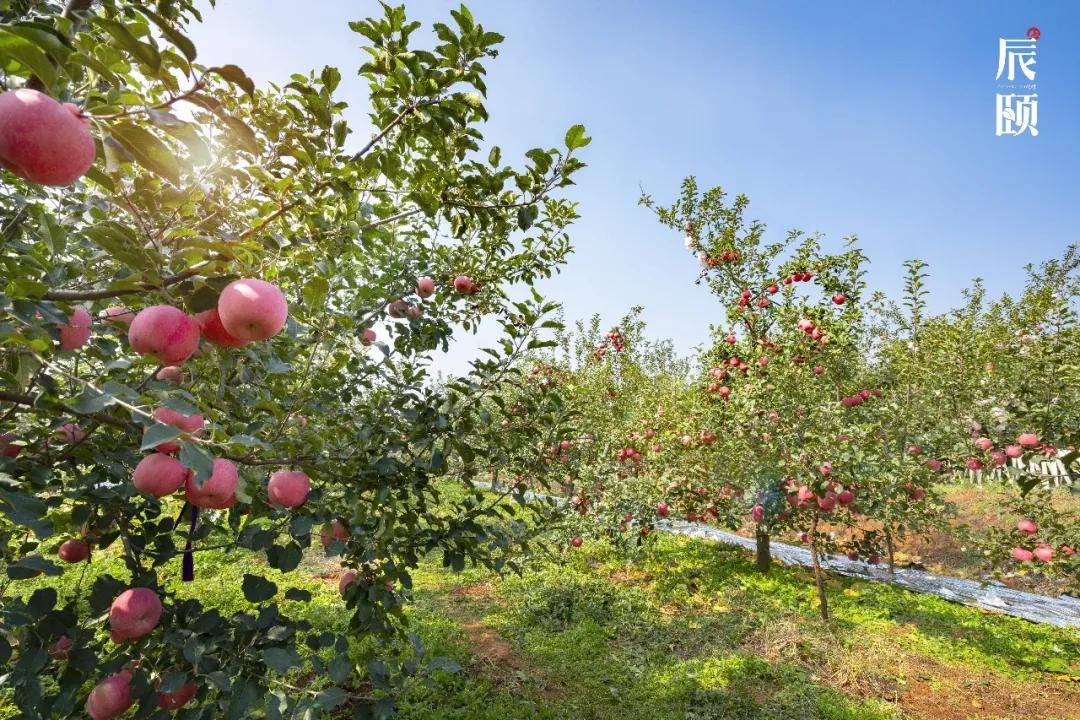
x=875 y=119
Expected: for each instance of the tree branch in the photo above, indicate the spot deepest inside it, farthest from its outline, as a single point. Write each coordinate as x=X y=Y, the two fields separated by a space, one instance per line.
x=31 y=402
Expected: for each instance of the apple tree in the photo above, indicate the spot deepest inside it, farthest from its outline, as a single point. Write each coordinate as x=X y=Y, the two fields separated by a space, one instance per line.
x=218 y=315
x=780 y=370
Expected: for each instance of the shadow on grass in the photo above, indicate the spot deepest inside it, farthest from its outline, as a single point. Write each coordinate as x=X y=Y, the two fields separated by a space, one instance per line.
x=613 y=652
x=944 y=630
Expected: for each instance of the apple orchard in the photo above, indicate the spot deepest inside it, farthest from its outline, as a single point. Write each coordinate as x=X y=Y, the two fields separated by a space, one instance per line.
x=218 y=314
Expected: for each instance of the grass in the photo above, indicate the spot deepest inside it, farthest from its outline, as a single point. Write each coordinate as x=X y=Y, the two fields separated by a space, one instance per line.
x=690 y=632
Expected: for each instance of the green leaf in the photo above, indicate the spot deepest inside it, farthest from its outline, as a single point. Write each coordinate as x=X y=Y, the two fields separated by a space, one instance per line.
x=242 y=135
x=280 y=660
x=257 y=588
x=103 y=592
x=120 y=242
x=42 y=600
x=27 y=54
x=331 y=697
x=576 y=137
x=32 y=566
x=340 y=667
x=172 y=682
x=298 y=595
x=24 y=509
x=174 y=36
x=236 y=76
x=147 y=150
x=315 y=291
x=157 y=434
x=443 y=664
x=527 y=215
x=145 y=53
x=197 y=460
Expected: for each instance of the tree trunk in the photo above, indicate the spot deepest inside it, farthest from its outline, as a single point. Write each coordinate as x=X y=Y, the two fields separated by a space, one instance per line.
x=762 y=555
x=889 y=548
x=818 y=575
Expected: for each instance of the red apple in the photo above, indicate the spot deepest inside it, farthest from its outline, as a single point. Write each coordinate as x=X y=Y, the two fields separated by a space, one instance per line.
x=71 y=433
x=463 y=284
x=74 y=550
x=214 y=331
x=1028 y=440
x=118 y=315
x=159 y=475
x=76 y=332
x=252 y=309
x=662 y=509
x=190 y=424
x=110 y=697
x=171 y=373
x=7 y=448
x=133 y=614
x=425 y=287
x=165 y=333
x=42 y=140
x=177 y=698
x=1022 y=555
x=334 y=530
x=219 y=491
x=1027 y=527
x=1014 y=451
x=288 y=488
x=1045 y=553
x=61 y=649
x=347 y=578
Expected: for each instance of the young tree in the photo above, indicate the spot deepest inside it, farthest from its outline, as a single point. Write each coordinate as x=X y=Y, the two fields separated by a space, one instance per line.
x=284 y=290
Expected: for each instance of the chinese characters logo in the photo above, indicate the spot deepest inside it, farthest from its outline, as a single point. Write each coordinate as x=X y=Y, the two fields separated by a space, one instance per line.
x=1017 y=112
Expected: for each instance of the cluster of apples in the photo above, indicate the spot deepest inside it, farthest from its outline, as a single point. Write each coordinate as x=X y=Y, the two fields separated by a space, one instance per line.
x=248 y=310
x=998 y=457
x=809 y=327
x=802 y=495
x=133 y=615
x=710 y=261
x=860 y=397
x=703 y=498
x=614 y=340
x=873 y=558
x=402 y=308
x=561 y=450
x=933 y=463
x=762 y=301
x=1042 y=552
